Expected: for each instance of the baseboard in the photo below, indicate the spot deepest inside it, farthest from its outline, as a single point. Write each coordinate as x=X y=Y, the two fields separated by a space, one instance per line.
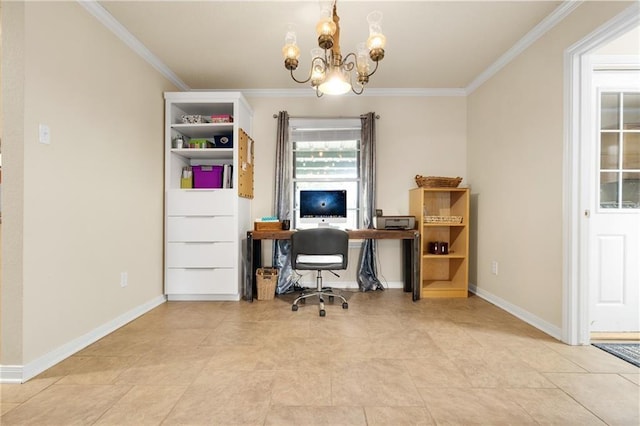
x=528 y=317
x=10 y=374
x=203 y=297
x=22 y=373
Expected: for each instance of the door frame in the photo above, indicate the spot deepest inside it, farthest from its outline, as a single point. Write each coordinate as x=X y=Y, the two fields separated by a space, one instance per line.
x=577 y=84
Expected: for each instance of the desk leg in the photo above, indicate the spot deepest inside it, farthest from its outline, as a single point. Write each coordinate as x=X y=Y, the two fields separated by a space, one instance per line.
x=416 y=264
x=407 y=265
x=247 y=292
x=256 y=262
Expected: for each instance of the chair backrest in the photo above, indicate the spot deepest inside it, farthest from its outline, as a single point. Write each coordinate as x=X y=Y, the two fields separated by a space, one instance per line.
x=309 y=243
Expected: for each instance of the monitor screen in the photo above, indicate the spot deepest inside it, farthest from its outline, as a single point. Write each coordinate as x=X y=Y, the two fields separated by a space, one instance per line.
x=323 y=206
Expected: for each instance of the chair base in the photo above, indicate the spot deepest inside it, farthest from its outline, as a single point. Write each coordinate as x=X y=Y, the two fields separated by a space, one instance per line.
x=320 y=292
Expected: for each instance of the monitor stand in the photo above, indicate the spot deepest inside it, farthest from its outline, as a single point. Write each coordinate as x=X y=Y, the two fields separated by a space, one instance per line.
x=326 y=225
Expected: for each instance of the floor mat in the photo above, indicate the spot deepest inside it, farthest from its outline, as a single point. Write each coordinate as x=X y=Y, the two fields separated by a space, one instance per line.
x=629 y=352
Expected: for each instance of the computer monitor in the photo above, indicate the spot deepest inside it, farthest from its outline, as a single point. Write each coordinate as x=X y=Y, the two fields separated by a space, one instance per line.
x=323 y=207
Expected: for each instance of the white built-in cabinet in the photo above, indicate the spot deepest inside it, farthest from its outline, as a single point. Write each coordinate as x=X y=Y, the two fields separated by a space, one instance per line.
x=205 y=227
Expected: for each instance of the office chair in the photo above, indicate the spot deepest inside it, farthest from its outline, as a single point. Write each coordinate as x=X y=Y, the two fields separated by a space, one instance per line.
x=319 y=249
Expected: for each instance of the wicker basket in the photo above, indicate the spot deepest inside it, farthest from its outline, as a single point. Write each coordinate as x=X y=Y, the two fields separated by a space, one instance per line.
x=437 y=181
x=266 y=279
x=443 y=219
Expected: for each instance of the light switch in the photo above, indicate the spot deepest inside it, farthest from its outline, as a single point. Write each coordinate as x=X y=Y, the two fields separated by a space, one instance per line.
x=45 y=134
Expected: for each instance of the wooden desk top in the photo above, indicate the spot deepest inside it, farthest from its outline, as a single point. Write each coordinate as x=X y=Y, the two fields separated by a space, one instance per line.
x=354 y=234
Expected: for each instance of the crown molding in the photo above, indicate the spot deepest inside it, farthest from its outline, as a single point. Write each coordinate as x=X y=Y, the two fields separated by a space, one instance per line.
x=553 y=19
x=310 y=93
x=95 y=9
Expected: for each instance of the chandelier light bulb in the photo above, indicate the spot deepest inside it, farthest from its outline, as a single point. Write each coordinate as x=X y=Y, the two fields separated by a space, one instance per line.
x=317 y=66
x=376 y=40
x=335 y=84
x=290 y=51
x=362 y=59
x=325 y=27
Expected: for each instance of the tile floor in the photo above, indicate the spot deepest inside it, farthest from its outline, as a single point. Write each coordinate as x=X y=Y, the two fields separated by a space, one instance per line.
x=384 y=361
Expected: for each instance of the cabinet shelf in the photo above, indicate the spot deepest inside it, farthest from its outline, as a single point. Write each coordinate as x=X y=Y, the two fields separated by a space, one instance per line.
x=441 y=225
x=203 y=130
x=444 y=256
x=204 y=153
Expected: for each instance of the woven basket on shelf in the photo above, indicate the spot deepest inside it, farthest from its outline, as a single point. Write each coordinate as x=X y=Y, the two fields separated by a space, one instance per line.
x=437 y=181
x=443 y=219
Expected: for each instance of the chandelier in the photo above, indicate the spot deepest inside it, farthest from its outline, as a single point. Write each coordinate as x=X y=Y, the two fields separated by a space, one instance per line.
x=330 y=72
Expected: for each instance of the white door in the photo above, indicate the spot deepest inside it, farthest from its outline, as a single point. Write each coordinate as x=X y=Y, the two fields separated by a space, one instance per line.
x=614 y=223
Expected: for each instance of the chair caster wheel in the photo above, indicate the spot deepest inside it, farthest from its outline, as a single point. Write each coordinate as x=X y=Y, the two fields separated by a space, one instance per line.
x=345 y=305
x=330 y=299
x=323 y=312
x=294 y=308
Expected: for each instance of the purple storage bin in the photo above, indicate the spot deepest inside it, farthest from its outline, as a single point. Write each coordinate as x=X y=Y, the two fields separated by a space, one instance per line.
x=207 y=176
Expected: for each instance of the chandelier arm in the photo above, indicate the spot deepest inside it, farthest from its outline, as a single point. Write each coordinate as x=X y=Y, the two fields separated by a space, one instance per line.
x=374 y=70
x=300 y=81
x=355 y=91
x=349 y=65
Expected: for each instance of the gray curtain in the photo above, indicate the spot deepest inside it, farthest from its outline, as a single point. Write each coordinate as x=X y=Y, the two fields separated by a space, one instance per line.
x=282 y=203
x=367 y=273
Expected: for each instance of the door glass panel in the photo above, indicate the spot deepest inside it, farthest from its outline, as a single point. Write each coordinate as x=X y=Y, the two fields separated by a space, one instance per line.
x=609 y=113
x=609 y=190
x=619 y=150
x=630 y=190
x=609 y=150
x=631 y=108
x=631 y=153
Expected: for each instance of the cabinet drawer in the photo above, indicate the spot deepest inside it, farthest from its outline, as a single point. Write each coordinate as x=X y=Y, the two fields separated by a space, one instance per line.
x=200 y=202
x=201 y=281
x=200 y=228
x=200 y=255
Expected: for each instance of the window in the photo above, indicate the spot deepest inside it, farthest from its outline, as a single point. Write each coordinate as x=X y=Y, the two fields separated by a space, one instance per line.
x=326 y=155
x=619 y=171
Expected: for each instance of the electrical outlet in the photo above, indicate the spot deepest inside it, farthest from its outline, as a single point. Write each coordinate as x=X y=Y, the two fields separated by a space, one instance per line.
x=124 y=278
x=44 y=134
x=494 y=267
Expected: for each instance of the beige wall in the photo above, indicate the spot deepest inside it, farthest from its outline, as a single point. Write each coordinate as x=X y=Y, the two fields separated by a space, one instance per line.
x=87 y=207
x=626 y=44
x=515 y=149
x=416 y=135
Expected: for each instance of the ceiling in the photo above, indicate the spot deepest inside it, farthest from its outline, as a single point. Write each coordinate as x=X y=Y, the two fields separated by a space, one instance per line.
x=237 y=44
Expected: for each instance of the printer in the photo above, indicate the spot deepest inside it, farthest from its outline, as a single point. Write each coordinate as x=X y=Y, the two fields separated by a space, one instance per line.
x=394 y=222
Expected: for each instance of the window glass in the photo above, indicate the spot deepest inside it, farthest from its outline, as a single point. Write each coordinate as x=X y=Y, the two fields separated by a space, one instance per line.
x=619 y=150
x=631 y=107
x=631 y=190
x=609 y=151
x=631 y=156
x=609 y=190
x=609 y=111
x=326 y=155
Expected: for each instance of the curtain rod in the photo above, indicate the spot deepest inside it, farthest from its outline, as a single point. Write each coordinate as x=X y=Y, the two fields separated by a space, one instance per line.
x=330 y=117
